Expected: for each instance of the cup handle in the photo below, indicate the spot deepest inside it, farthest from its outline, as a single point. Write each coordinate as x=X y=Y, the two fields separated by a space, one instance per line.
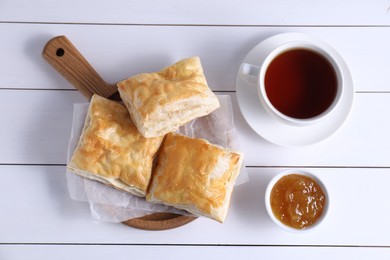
x=249 y=73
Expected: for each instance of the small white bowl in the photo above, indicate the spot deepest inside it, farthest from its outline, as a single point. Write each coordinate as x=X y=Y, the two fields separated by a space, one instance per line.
x=268 y=203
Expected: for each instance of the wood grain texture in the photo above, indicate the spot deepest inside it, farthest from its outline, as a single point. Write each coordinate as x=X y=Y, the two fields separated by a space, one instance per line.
x=68 y=61
x=217 y=12
x=159 y=221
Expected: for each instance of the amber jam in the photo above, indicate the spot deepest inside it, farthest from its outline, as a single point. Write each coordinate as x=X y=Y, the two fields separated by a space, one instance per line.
x=297 y=201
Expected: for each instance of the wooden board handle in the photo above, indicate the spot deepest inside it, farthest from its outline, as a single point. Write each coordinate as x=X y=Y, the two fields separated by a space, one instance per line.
x=68 y=61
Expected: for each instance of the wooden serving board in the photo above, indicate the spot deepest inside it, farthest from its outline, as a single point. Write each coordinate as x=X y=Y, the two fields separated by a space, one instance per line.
x=68 y=61
x=159 y=221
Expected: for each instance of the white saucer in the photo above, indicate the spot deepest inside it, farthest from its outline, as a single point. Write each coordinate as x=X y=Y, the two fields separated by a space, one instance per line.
x=273 y=129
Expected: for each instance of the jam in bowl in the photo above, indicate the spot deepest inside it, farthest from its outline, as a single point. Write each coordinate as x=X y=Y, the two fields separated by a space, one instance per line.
x=296 y=200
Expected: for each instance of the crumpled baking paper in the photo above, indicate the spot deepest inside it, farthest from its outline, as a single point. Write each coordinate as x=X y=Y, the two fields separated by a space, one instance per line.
x=111 y=205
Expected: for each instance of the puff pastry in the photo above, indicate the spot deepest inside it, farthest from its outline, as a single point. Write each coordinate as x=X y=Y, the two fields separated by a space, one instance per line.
x=112 y=151
x=163 y=101
x=194 y=175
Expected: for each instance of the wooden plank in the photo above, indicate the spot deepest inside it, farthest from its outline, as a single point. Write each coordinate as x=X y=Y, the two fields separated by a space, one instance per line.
x=362 y=140
x=37 y=209
x=119 y=51
x=37 y=126
x=99 y=252
x=281 y=12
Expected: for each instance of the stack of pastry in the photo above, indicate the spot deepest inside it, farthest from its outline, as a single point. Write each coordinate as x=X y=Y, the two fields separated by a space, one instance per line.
x=119 y=142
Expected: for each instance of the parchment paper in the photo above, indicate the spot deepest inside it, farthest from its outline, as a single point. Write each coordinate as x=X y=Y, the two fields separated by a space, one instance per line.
x=111 y=205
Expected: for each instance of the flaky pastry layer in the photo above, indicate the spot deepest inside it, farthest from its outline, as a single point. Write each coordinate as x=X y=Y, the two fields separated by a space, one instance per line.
x=161 y=102
x=111 y=149
x=194 y=175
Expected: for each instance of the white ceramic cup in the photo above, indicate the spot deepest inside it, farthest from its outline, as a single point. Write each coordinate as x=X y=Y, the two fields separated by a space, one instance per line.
x=255 y=75
x=268 y=207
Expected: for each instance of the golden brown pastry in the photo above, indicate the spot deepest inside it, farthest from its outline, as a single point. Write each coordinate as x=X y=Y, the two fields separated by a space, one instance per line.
x=112 y=151
x=194 y=175
x=161 y=102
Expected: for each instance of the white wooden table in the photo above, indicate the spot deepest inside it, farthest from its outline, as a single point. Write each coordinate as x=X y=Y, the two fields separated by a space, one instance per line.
x=38 y=220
